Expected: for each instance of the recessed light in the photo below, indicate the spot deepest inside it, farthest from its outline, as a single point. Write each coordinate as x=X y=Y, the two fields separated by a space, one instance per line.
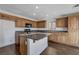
x=47 y=15
x=34 y=14
x=36 y=7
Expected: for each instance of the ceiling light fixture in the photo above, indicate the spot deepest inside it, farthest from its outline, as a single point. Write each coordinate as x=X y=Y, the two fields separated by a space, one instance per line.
x=36 y=7
x=47 y=15
x=34 y=14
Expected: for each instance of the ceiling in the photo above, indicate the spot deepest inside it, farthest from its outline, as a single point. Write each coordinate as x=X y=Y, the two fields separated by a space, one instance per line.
x=40 y=11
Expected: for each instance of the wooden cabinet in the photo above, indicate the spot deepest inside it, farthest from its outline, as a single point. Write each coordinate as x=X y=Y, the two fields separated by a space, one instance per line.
x=60 y=37
x=62 y=22
x=35 y=24
x=21 y=23
x=21 y=46
x=18 y=23
x=53 y=37
x=73 y=29
x=73 y=23
x=41 y=24
x=72 y=36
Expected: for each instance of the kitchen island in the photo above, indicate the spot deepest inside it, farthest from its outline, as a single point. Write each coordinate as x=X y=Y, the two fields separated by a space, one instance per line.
x=36 y=43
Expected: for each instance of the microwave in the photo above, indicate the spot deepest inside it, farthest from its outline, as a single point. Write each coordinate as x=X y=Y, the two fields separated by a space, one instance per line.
x=28 y=25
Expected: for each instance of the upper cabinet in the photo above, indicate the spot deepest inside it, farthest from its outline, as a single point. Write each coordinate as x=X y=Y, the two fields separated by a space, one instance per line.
x=35 y=24
x=19 y=21
x=41 y=24
x=62 y=22
x=22 y=23
x=73 y=22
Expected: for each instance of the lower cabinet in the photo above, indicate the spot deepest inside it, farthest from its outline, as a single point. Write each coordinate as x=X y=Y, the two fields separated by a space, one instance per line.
x=60 y=37
x=69 y=38
x=74 y=38
x=21 y=46
x=53 y=37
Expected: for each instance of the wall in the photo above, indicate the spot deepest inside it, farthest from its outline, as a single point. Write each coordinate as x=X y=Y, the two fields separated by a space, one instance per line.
x=7 y=32
x=50 y=25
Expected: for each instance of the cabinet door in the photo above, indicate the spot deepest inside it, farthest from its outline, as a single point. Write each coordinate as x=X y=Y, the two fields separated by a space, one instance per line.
x=73 y=28
x=62 y=22
x=74 y=38
x=23 y=45
x=41 y=24
x=59 y=37
x=73 y=23
x=19 y=23
x=53 y=37
x=62 y=37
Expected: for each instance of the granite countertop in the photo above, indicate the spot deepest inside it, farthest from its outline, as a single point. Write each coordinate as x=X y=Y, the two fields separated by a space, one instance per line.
x=48 y=31
x=36 y=36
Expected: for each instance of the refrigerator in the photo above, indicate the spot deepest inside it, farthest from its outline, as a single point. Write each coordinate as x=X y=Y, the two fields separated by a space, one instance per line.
x=7 y=32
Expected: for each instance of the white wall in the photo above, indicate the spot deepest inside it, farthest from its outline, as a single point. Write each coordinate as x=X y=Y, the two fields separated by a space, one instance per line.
x=7 y=32
x=51 y=24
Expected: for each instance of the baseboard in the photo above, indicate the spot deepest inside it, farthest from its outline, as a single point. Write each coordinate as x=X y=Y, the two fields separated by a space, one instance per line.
x=6 y=45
